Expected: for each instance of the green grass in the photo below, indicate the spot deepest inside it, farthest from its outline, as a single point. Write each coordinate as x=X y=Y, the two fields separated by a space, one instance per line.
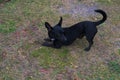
x=108 y=2
x=119 y=51
x=102 y=72
x=7 y=77
x=8 y=19
x=0 y=55
x=28 y=78
x=1 y=1
x=114 y=67
x=8 y=26
x=51 y=58
x=14 y=15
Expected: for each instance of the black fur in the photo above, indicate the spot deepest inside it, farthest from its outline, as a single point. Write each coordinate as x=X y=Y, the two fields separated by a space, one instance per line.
x=65 y=36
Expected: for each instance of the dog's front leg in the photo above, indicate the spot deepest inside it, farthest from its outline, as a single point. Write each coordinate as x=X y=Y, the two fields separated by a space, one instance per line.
x=48 y=44
x=57 y=44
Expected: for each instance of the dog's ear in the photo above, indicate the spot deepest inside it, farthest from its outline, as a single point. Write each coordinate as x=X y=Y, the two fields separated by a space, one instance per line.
x=48 y=26
x=60 y=22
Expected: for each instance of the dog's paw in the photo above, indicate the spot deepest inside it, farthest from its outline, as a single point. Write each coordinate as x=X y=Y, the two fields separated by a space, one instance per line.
x=46 y=44
x=87 y=49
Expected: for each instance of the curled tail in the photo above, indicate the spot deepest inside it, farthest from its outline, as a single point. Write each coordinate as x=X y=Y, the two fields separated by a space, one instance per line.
x=104 y=17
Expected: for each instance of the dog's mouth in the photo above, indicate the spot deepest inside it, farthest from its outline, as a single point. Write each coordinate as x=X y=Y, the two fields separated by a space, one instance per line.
x=63 y=39
x=52 y=39
x=49 y=39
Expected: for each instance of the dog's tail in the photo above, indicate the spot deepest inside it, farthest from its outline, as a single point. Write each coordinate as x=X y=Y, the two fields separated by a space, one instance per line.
x=103 y=19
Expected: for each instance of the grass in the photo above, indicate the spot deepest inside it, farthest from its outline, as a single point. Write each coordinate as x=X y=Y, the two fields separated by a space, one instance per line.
x=52 y=58
x=13 y=14
x=114 y=67
x=106 y=2
x=7 y=27
x=7 y=77
x=26 y=59
x=102 y=72
x=1 y=1
x=8 y=23
x=119 y=51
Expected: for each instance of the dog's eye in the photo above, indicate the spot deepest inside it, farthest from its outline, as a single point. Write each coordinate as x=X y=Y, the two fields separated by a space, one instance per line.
x=51 y=35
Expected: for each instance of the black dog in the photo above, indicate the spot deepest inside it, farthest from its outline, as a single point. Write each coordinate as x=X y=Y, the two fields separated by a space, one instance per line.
x=65 y=36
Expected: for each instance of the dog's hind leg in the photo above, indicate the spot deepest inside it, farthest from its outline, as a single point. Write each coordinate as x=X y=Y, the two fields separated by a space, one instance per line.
x=90 y=44
x=90 y=38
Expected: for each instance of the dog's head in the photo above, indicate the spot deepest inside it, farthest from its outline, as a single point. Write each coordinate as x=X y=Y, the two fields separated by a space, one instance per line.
x=56 y=32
